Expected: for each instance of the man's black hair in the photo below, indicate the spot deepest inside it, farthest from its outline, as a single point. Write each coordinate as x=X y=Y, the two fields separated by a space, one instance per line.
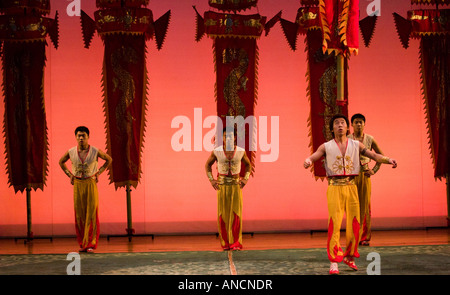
x=82 y=129
x=358 y=116
x=337 y=116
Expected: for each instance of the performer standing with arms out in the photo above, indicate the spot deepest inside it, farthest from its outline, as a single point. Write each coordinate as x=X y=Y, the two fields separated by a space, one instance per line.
x=229 y=188
x=342 y=165
x=84 y=178
x=363 y=182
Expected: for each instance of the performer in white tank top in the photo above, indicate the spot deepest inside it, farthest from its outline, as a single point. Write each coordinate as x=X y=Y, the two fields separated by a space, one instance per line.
x=226 y=165
x=84 y=177
x=229 y=184
x=342 y=165
x=84 y=167
x=337 y=164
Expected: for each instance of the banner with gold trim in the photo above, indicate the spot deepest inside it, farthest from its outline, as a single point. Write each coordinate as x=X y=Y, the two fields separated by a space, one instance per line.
x=236 y=66
x=23 y=33
x=331 y=29
x=124 y=27
x=432 y=28
x=321 y=92
x=340 y=25
x=19 y=7
x=435 y=79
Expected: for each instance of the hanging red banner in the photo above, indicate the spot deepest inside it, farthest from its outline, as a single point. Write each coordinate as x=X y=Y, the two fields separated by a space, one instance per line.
x=321 y=93
x=429 y=22
x=25 y=125
x=124 y=31
x=340 y=25
x=435 y=79
x=331 y=28
x=432 y=27
x=423 y=22
x=124 y=88
x=236 y=59
x=40 y=7
x=23 y=40
x=235 y=64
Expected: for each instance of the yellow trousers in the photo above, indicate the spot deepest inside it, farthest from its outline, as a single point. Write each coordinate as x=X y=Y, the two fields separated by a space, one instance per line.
x=364 y=185
x=342 y=199
x=229 y=222
x=85 y=196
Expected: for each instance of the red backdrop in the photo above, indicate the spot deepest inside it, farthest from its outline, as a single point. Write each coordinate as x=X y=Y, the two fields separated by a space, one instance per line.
x=174 y=194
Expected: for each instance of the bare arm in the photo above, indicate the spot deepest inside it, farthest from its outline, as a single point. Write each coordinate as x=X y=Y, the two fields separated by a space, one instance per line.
x=315 y=156
x=377 y=149
x=211 y=160
x=248 y=169
x=62 y=164
x=108 y=160
x=376 y=157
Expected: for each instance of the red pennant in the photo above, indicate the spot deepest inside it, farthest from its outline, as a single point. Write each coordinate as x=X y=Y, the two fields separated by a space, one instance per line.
x=367 y=27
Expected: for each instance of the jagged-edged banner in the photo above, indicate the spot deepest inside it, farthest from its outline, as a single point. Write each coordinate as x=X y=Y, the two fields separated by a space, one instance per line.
x=23 y=44
x=434 y=58
x=124 y=31
x=340 y=26
x=321 y=93
x=236 y=64
x=435 y=80
x=25 y=125
x=237 y=87
x=125 y=105
x=321 y=76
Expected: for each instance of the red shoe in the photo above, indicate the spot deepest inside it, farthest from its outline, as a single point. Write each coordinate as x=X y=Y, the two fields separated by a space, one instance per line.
x=350 y=262
x=334 y=268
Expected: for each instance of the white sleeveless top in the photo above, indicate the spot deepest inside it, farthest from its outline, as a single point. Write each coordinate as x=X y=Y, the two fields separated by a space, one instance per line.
x=367 y=142
x=84 y=168
x=226 y=166
x=338 y=165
